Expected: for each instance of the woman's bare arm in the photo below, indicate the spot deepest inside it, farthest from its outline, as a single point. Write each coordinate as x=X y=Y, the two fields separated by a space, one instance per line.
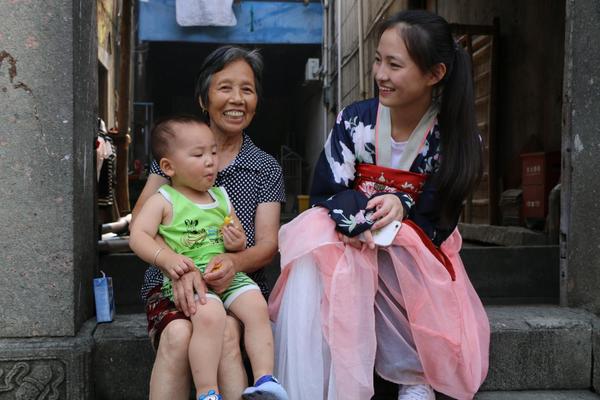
x=253 y=258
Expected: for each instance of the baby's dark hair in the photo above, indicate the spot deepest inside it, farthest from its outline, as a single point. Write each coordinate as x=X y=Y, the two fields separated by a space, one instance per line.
x=163 y=133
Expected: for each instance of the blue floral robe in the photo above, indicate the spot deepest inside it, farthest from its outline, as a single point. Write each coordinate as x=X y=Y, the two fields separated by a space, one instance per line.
x=352 y=141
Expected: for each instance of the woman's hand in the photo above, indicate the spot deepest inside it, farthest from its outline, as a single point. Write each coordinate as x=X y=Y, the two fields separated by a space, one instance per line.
x=220 y=272
x=183 y=292
x=387 y=209
x=172 y=264
x=356 y=242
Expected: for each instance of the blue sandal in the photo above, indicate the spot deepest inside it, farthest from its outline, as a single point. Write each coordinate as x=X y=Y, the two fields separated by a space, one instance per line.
x=266 y=388
x=211 y=395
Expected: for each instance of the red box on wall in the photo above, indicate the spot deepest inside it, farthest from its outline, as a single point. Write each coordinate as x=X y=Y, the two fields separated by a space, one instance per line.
x=540 y=172
x=533 y=201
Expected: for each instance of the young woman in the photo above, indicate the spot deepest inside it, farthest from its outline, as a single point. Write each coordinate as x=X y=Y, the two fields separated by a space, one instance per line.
x=343 y=306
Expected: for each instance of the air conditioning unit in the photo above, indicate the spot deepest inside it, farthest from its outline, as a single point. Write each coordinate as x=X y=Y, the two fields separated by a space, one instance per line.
x=311 y=71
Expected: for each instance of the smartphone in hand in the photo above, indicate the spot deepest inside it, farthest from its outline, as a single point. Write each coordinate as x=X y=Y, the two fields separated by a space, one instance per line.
x=385 y=236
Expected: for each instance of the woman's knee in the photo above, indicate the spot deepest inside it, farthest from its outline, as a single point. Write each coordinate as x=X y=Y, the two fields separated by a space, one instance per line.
x=176 y=336
x=232 y=337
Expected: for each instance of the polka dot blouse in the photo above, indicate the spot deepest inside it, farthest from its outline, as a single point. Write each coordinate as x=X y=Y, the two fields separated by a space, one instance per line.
x=252 y=178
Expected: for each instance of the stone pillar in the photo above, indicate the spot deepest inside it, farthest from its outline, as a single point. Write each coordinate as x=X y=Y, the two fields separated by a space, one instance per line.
x=48 y=107
x=580 y=198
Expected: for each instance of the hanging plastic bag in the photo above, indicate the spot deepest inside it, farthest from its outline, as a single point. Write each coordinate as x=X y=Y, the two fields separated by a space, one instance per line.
x=105 y=301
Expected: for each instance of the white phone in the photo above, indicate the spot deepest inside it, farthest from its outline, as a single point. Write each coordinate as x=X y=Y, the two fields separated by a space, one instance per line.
x=384 y=236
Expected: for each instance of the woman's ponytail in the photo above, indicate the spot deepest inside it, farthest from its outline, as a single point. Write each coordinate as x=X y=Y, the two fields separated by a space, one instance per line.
x=461 y=164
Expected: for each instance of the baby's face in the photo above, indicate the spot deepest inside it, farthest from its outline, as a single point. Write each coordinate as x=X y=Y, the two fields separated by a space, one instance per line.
x=194 y=156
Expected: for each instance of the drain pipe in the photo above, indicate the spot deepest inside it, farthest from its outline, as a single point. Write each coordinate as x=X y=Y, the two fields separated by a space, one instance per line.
x=338 y=29
x=325 y=71
x=361 y=67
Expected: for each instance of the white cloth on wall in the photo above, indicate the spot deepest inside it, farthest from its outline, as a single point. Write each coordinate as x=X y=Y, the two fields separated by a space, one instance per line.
x=205 y=13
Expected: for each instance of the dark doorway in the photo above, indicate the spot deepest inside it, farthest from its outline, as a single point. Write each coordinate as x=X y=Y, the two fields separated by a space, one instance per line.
x=170 y=75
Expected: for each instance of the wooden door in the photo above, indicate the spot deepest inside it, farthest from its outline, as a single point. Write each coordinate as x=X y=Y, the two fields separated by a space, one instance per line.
x=481 y=42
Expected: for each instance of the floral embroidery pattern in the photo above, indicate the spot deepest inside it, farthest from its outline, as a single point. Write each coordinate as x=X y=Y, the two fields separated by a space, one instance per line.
x=342 y=170
x=363 y=141
x=352 y=220
x=363 y=137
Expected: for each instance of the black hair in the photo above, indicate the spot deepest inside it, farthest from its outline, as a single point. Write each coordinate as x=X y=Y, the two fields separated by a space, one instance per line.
x=163 y=133
x=218 y=60
x=429 y=41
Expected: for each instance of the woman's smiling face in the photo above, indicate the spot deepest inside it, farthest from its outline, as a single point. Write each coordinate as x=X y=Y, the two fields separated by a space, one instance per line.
x=399 y=79
x=232 y=98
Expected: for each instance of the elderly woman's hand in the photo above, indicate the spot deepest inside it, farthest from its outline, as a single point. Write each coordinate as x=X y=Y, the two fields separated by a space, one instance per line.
x=388 y=208
x=188 y=289
x=220 y=272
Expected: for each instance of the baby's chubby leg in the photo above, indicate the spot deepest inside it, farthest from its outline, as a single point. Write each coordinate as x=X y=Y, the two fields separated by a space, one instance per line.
x=251 y=308
x=208 y=326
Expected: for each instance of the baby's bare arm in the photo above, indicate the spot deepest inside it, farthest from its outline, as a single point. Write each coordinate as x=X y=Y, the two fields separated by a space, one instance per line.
x=143 y=240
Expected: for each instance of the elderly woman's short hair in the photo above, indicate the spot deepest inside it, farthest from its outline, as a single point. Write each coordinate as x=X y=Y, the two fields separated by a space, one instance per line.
x=219 y=59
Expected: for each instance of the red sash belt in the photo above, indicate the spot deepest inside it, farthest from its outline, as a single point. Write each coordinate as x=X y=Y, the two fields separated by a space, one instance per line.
x=371 y=179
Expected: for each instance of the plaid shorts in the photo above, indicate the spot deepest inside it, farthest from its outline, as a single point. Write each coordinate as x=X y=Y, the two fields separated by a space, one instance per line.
x=160 y=309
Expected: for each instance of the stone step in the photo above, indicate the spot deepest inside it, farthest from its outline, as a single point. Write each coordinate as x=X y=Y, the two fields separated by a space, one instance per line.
x=513 y=275
x=540 y=347
x=533 y=348
x=122 y=358
x=501 y=275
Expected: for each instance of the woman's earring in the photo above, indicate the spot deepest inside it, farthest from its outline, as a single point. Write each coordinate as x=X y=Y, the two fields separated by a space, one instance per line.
x=204 y=111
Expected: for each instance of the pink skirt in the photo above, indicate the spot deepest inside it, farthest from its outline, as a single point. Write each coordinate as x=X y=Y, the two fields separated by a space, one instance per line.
x=340 y=312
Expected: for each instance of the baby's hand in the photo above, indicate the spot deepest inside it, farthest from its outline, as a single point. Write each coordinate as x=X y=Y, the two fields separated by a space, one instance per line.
x=234 y=238
x=174 y=265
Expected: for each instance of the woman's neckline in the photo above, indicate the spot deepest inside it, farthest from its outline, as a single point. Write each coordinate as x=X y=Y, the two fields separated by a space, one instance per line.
x=229 y=148
x=398 y=142
x=405 y=120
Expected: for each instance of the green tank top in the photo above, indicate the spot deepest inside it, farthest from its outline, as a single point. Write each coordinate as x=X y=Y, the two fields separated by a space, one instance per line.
x=195 y=229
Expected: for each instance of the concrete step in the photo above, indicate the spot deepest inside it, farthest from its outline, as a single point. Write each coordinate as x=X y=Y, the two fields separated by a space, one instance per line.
x=502 y=235
x=501 y=275
x=513 y=275
x=122 y=358
x=539 y=347
x=533 y=348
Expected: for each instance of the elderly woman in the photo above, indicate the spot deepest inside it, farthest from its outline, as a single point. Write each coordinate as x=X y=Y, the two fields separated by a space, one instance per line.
x=227 y=89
